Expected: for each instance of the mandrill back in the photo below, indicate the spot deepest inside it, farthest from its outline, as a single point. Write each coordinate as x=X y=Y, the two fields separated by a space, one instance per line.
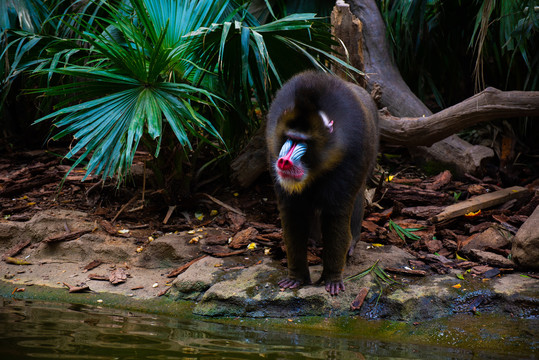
x=322 y=138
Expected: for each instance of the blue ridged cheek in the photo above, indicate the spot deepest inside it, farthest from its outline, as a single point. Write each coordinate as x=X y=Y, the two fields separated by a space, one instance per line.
x=299 y=150
x=286 y=148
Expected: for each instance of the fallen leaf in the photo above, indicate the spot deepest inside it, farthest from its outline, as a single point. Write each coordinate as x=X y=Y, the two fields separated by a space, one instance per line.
x=472 y=214
x=16 y=261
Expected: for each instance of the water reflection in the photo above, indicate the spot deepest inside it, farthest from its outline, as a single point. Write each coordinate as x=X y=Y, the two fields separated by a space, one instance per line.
x=54 y=331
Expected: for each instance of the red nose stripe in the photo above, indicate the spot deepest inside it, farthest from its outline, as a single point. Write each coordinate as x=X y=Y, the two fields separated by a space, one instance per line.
x=284 y=163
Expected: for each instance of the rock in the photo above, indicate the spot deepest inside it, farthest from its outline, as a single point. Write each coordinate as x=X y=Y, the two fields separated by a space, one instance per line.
x=365 y=255
x=167 y=251
x=42 y=225
x=197 y=279
x=525 y=249
x=491 y=238
x=254 y=292
x=491 y=259
x=89 y=246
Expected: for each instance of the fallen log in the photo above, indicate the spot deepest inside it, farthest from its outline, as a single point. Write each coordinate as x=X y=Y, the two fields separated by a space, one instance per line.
x=480 y=202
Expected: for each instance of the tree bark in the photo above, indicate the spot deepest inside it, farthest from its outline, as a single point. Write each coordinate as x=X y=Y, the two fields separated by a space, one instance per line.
x=379 y=65
x=349 y=31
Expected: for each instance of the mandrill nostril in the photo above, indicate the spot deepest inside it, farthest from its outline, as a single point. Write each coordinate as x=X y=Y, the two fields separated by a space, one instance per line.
x=284 y=164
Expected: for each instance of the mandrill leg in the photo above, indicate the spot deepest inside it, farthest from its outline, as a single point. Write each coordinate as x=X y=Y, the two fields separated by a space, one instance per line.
x=296 y=219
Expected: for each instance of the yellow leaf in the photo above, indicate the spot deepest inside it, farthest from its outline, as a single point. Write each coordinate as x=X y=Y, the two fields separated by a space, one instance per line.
x=457 y=286
x=251 y=246
x=214 y=212
x=16 y=261
x=389 y=178
x=199 y=216
x=194 y=240
x=140 y=248
x=471 y=213
x=377 y=245
x=460 y=257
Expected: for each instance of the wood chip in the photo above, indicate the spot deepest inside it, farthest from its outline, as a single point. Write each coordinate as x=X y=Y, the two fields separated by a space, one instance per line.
x=224 y=254
x=92 y=265
x=99 y=277
x=360 y=298
x=440 y=181
x=405 y=271
x=16 y=249
x=164 y=291
x=413 y=195
x=109 y=228
x=66 y=237
x=74 y=289
x=184 y=267
x=243 y=238
x=117 y=276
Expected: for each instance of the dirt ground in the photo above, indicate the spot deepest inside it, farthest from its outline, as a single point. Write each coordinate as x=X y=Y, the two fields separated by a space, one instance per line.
x=400 y=212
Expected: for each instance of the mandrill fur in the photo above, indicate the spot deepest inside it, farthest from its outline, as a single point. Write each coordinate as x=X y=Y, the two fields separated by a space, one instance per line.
x=322 y=138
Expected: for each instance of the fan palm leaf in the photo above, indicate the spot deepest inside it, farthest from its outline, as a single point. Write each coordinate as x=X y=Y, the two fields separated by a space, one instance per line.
x=123 y=89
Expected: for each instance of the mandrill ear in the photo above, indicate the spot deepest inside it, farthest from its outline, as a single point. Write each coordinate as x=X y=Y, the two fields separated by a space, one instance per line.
x=328 y=123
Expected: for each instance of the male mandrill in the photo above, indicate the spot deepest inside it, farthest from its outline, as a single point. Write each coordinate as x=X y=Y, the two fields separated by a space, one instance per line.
x=322 y=137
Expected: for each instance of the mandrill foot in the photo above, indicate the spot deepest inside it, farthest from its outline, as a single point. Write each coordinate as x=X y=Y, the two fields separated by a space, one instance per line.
x=334 y=287
x=288 y=283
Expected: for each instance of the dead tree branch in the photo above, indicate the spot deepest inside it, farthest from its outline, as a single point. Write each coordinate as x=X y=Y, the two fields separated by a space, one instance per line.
x=490 y=104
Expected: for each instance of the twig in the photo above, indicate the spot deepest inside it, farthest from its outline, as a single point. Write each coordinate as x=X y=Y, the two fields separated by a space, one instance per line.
x=67 y=237
x=169 y=213
x=226 y=206
x=184 y=267
x=123 y=208
x=73 y=289
x=16 y=249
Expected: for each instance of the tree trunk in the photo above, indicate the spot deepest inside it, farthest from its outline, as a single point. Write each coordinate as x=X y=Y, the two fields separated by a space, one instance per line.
x=379 y=65
x=399 y=99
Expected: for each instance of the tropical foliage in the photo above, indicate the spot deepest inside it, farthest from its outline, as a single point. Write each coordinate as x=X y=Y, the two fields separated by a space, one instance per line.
x=448 y=48
x=126 y=72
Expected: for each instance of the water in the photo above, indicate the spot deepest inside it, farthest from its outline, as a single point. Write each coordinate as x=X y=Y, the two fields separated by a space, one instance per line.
x=41 y=330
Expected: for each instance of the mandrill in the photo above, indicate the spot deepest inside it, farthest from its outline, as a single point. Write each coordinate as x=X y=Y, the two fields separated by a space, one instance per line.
x=322 y=138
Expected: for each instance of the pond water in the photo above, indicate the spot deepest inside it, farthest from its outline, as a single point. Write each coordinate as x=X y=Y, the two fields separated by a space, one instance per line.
x=42 y=330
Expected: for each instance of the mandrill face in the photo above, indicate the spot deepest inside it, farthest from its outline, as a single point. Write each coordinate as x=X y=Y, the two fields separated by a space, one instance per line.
x=295 y=162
